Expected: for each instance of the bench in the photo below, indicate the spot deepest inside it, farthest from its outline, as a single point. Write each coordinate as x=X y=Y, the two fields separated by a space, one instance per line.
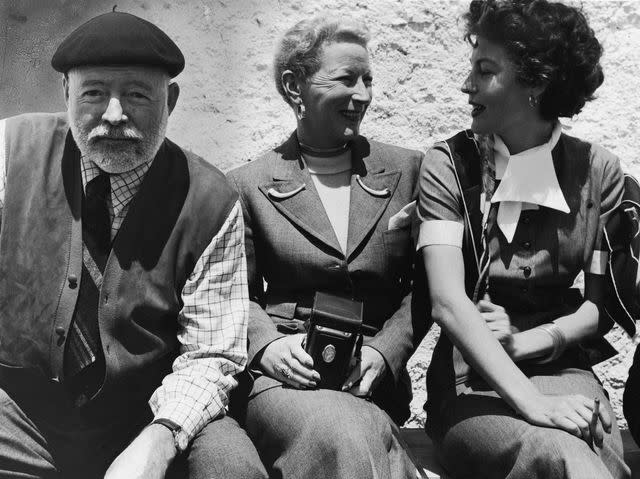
x=422 y=450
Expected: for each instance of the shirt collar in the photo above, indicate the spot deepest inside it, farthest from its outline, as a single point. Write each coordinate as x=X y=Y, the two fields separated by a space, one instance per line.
x=124 y=186
x=527 y=177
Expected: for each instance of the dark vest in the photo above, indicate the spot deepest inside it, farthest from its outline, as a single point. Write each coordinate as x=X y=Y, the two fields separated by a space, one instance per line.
x=181 y=205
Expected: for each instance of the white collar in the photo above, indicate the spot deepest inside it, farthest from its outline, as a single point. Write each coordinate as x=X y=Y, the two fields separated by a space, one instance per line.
x=528 y=177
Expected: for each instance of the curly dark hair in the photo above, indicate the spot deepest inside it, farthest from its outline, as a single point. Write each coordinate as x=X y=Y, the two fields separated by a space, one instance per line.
x=549 y=43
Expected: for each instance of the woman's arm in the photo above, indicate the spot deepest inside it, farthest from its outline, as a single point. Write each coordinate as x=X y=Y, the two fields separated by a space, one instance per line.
x=575 y=327
x=462 y=322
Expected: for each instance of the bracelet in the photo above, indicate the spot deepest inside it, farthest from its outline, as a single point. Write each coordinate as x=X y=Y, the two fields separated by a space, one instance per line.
x=559 y=342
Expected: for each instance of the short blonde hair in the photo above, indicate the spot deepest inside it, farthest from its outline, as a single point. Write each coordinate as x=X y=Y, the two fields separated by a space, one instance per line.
x=300 y=47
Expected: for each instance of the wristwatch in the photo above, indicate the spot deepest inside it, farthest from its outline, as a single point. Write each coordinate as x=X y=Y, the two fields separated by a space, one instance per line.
x=180 y=439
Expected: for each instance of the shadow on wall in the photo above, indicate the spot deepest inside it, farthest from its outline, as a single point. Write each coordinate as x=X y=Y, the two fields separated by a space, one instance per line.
x=30 y=31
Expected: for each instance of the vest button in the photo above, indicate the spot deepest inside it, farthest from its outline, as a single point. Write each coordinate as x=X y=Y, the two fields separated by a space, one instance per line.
x=526 y=271
x=73 y=281
x=60 y=331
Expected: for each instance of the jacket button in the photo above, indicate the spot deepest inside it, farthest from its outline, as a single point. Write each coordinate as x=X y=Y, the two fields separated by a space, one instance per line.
x=526 y=271
x=526 y=245
x=73 y=281
x=589 y=203
x=60 y=331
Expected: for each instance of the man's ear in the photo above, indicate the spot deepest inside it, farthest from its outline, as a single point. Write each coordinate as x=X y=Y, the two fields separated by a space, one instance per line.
x=291 y=87
x=172 y=97
x=65 y=88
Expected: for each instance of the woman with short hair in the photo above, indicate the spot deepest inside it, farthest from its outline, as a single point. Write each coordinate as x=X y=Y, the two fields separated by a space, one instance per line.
x=329 y=211
x=511 y=212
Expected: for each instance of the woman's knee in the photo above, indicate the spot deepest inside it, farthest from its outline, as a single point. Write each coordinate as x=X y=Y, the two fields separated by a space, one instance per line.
x=553 y=453
x=347 y=431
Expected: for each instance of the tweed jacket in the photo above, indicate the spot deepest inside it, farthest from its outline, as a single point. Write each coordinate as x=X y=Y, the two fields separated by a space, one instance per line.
x=291 y=246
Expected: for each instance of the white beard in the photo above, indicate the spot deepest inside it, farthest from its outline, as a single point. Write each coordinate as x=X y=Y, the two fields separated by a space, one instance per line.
x=117 y=157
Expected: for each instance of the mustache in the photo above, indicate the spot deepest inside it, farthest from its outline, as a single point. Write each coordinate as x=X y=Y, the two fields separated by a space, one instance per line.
x=115 y=133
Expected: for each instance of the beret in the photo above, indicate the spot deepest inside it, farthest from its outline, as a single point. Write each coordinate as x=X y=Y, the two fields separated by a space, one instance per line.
x=118 y=38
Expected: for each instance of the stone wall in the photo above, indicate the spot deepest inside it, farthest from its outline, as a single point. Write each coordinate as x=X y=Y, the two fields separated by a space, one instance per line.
x=229 y=110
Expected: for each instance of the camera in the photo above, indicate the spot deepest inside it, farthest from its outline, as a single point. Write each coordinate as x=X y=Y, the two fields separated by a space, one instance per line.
x=334 y=337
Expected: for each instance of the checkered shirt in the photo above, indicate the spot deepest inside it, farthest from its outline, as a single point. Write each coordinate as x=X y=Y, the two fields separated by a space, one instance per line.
x=212 y=326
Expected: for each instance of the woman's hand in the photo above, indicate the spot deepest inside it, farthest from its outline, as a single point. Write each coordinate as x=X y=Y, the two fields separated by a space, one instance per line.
x=498 y=321
x=571 y=413
x=366 y=373
x=285 y=360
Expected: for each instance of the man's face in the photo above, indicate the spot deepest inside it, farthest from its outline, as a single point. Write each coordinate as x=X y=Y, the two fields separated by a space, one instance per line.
x=118 y=114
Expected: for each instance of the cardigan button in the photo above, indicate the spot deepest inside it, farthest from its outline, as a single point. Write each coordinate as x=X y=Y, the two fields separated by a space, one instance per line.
x=73 y=281
x=60 y=331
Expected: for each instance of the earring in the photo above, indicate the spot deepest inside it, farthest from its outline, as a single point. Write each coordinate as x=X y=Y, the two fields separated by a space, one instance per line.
x=301 y=111
x=533 y=101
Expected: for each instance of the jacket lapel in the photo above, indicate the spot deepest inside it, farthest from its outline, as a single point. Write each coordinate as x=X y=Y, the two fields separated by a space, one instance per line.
x=294 y=195
x=372 y=188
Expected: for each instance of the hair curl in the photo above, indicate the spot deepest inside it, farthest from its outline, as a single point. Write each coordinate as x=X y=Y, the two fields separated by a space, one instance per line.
x=550 y=44
x=300 y=48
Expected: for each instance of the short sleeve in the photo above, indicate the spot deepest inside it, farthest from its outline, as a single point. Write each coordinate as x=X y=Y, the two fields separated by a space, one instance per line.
x=439 y=203
x=611 y=190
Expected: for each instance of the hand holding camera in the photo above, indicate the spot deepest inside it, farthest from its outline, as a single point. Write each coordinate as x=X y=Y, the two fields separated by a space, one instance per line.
x=367 y=372
x=286 y=360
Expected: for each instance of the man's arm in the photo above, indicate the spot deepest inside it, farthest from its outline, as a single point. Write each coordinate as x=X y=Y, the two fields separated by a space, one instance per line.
x=212 y=336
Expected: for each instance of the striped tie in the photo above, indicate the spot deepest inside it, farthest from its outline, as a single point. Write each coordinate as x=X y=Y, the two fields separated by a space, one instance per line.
x=84 y=347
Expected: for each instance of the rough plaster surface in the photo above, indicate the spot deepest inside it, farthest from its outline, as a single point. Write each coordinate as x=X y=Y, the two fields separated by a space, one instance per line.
x=229 y=110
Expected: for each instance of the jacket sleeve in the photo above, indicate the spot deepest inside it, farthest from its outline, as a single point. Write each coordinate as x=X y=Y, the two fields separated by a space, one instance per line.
x=261 y=329
x=405 y=329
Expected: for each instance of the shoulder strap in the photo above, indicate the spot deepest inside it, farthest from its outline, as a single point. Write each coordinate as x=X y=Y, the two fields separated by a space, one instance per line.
x=464 y=153
x=622 y=239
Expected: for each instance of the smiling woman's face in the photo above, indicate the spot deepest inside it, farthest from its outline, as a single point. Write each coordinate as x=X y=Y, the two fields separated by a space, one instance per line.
x=336 y=97
x=500 y=103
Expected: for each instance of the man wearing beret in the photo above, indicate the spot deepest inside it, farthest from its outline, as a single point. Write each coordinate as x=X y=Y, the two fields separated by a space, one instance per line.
x=123 y=296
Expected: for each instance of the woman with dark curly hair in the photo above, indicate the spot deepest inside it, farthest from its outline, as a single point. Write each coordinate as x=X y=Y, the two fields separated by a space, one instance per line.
x=511 y=212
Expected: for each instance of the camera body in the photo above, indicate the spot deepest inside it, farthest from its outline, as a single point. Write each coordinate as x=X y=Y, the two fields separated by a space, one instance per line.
x=334 y=337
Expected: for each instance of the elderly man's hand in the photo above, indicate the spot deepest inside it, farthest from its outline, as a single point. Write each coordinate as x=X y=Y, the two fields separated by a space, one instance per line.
x=286 y=360
x=366 y=373
x=147 y=457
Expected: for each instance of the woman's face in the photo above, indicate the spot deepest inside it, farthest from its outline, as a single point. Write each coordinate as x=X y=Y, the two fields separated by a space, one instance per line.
x=336 y=97
x=500 y=103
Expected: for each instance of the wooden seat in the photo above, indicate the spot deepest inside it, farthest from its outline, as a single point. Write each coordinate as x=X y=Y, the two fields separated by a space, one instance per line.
x=422 y=449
